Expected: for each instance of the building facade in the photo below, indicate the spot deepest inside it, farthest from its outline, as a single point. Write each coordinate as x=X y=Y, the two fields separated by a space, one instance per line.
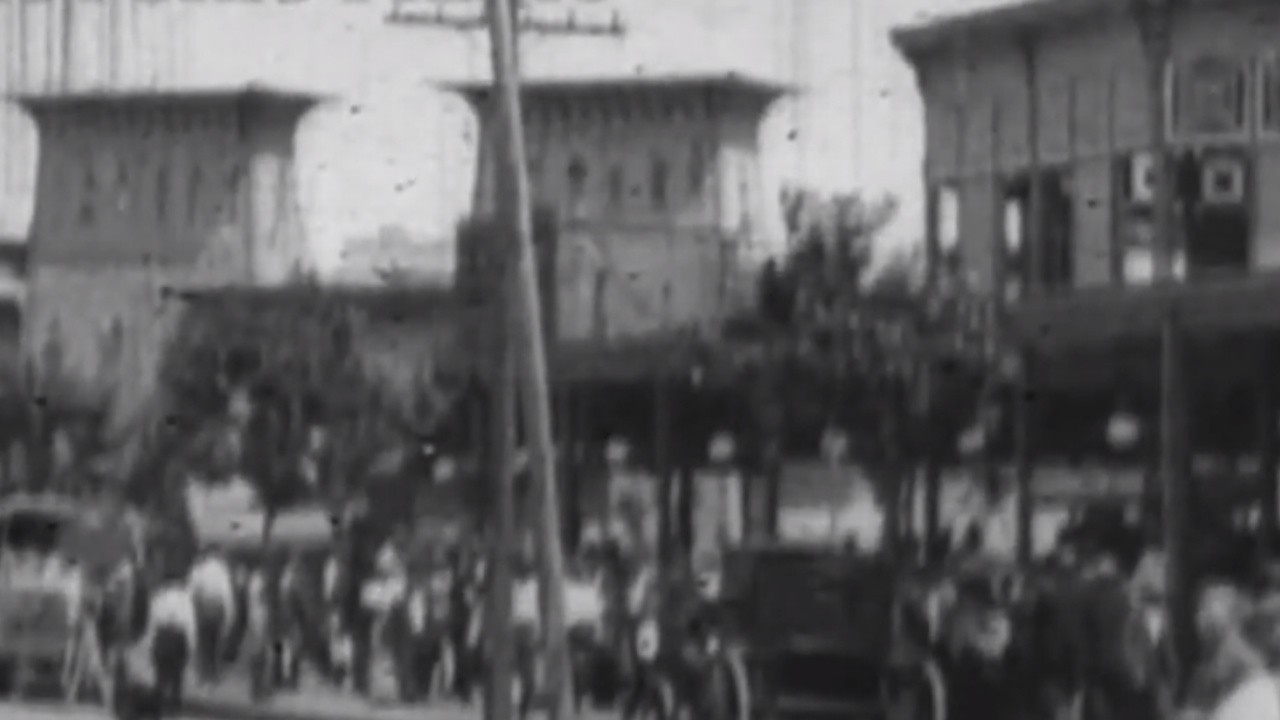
x=391 y=149
x=141 y=195
x=658 y=192
x=1059 y=88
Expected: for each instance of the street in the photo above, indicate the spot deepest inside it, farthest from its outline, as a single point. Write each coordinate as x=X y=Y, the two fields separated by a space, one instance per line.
x=56 y=710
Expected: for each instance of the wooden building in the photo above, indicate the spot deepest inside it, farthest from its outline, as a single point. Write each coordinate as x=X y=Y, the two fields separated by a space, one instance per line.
x=142 y=192
x=1049 y=127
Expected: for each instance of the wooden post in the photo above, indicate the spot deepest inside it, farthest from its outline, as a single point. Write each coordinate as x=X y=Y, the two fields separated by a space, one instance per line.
x=535 y=405
x=1267 y=447
x=499 y=703
x=1033 y=265
x=662 y=466
x=1024 y=458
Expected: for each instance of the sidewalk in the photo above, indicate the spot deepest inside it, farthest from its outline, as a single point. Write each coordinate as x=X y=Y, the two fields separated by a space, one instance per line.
x=230 y=702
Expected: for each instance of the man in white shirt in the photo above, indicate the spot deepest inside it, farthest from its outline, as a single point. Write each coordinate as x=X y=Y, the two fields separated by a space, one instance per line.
x=171 y=636
x=214 y=598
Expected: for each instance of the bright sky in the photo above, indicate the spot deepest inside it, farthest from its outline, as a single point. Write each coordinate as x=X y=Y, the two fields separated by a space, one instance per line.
x=392 y=150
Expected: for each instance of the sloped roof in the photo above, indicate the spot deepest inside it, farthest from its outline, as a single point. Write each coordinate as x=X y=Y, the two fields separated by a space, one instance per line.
x=569 y=88
x=100 y=97
x=1010 y=18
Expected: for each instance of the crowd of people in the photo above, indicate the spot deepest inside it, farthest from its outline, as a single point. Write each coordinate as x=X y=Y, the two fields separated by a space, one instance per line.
x=1088 y=627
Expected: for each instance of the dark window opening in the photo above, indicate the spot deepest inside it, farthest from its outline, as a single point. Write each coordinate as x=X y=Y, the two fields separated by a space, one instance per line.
x=1056 y=235
x=1211 y=215
x=658 y=182
x=88 y=191
x=697 y=168
x=1214 y=213
x=617 y=187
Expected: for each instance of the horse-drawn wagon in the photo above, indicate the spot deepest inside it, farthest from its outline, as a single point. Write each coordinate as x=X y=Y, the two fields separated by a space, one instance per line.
x=812 y=631
x=54 y=553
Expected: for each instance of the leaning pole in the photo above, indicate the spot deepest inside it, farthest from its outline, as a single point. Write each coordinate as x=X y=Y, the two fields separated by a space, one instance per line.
x=515 y=209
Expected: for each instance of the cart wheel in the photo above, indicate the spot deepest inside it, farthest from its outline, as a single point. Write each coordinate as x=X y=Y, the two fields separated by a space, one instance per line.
x=921 y=696
x=728 y=692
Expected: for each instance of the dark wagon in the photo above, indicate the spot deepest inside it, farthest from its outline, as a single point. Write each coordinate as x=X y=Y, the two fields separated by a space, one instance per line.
x=815 y=632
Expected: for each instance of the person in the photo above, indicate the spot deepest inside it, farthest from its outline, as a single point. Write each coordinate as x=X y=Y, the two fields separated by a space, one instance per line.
x=171 y=636
x=1230 y=661
x=214 y=596
x=382 y=595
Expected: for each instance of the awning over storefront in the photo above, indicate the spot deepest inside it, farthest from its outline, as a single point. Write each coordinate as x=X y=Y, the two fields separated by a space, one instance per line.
x=1097 y=317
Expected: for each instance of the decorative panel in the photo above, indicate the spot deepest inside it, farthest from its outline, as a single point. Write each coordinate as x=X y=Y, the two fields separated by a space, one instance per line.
x=942 y=139
x=1014 y=151
x=979 y=231
x=1130 y=116
x=1090 y=120
x=977 y=127
x=1266 y=243
x=1210 y=97
x=1092 y=220
x=1055 y=119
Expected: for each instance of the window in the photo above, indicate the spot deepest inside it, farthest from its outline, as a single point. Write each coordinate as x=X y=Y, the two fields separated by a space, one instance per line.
x=234 y=178
x=1208 y=97
x=162 y=193
x=577 y=175
x=658 y=182
x=948 y=228
x=193 y=195
x=1269 y=92
x=697 y=168
x=88 y=189
x=617 y=187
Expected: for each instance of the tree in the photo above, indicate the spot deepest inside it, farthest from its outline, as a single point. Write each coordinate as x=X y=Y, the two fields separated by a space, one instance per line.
x=275 y=385
x=839 y=347
x=62 y=420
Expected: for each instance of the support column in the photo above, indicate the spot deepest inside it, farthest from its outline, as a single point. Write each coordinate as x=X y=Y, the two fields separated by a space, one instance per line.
x=1033 y=274
x=662 y=464
x=1267 y=451
x=1024 y=440
x=1174 y=460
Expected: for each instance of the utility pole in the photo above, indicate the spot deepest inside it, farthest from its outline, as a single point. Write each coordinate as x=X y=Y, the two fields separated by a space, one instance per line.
x=519 y=358
x=525 y=309
x=1155 y=27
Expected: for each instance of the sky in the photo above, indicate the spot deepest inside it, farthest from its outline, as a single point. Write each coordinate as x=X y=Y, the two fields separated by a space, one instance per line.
x=390 y=149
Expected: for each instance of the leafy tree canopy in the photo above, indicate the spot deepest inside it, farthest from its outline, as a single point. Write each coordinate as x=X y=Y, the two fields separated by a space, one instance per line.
x=888 y=357
x=276 y=388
